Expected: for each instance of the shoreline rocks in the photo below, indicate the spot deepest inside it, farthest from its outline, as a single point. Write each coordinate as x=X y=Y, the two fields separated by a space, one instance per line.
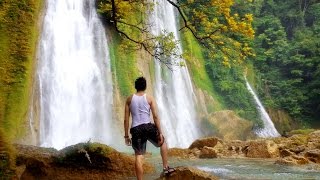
x=98 y=161
x=200 y=143
x=299 y=149
x=80 y=161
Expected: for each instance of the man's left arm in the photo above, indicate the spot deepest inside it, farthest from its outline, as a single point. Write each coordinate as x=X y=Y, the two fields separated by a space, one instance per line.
x=126 y=122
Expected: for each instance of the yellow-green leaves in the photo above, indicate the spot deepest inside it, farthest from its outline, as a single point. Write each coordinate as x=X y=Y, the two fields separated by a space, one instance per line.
x=211 y=22
x=216 y=27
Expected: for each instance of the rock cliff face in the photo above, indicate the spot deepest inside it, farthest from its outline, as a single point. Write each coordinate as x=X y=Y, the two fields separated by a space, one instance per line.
x=229 y=126
x=81 y=161
x=282 y=121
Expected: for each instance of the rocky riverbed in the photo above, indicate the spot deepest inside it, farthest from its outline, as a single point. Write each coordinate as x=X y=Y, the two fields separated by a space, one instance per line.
x=298 y=149
x=98 y=161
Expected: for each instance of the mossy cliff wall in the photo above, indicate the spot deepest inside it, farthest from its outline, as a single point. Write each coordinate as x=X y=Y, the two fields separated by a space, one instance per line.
x=18 y=41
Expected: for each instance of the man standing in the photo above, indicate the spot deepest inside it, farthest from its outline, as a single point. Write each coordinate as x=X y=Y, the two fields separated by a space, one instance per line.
x=139 y=105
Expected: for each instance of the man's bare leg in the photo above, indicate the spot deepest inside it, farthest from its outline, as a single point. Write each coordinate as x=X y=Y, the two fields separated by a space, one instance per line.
x=164 y=154
x=139 y=167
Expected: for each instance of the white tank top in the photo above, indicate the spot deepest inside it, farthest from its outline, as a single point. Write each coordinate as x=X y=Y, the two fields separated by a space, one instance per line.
x=140 y=110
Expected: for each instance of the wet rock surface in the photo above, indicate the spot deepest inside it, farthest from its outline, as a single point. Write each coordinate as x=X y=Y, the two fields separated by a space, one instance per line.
x=188 y=173
x=200 y=143
x=81 y=161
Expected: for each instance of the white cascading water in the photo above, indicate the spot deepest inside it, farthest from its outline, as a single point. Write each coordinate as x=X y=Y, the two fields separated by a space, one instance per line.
x=173 y=89
x=75 y=85
x=268 y=130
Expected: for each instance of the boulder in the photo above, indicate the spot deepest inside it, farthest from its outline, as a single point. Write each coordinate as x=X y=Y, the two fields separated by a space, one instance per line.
x=185 y=173
x=300 y=159
x=315 y=135
x=314 y=140
x=285 y=161
x=262 y=149
x=200 y=143
x=292 y=160
x=207 y=152
x=313 y=155
x=233 y=149
x=229 y=126
x=80 y=161
x=298 y=149
x=285 y=153
x=182 y=153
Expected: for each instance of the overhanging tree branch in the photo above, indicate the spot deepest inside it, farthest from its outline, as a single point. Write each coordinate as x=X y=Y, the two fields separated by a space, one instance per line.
x=186 y=24
x=214 y=28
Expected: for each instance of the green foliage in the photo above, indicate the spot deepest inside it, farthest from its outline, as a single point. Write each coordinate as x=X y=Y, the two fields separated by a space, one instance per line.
x=211 y=22
x=128 y=18
x=287 y=48
x=209 y=69
x=18 y=36
x=230 y=84
x=221 y=29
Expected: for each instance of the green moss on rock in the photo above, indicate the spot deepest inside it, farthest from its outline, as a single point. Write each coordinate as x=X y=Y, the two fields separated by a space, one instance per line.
x=123 y=66
x=196 y=65
x=18 y=37
x=91 y=155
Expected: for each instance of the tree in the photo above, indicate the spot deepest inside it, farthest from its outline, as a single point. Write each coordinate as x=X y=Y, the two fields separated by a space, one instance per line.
x=287 y=48
x=211 y=22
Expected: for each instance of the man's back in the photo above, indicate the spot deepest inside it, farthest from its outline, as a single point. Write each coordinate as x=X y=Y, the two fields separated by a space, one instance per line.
x=140 y=110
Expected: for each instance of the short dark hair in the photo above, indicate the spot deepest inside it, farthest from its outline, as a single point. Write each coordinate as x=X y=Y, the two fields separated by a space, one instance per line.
x=140 y=84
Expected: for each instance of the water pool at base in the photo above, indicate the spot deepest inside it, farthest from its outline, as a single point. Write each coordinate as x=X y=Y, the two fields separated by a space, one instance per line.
x=227 y=168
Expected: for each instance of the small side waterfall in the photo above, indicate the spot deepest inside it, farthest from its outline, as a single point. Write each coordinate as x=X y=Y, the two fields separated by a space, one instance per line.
x=74 y=78
x=269 y=130
x=173 y=89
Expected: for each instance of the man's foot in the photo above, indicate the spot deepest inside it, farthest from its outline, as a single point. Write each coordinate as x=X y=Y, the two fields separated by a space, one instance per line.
x=168 y=170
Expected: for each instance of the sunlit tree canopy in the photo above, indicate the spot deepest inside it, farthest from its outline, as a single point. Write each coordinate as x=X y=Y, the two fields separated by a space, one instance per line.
x=211 y=22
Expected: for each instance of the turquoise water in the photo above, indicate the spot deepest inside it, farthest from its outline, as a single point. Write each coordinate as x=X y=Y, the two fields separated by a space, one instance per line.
x=226 y=168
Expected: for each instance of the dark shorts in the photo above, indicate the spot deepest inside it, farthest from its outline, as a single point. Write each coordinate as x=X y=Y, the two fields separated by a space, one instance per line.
x=142 y=133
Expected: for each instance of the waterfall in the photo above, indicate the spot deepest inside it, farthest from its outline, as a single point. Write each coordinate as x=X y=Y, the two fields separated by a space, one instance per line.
x=173 y=89
x=268 y=130
x=74 y=78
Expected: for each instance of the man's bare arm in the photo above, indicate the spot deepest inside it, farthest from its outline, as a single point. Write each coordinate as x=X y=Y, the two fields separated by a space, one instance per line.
x=156 y=119
x=126 y=118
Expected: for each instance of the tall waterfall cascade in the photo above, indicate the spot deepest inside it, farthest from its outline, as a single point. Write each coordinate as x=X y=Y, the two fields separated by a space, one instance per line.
x=268 y=130
x=73 y=77
x=173 y=89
